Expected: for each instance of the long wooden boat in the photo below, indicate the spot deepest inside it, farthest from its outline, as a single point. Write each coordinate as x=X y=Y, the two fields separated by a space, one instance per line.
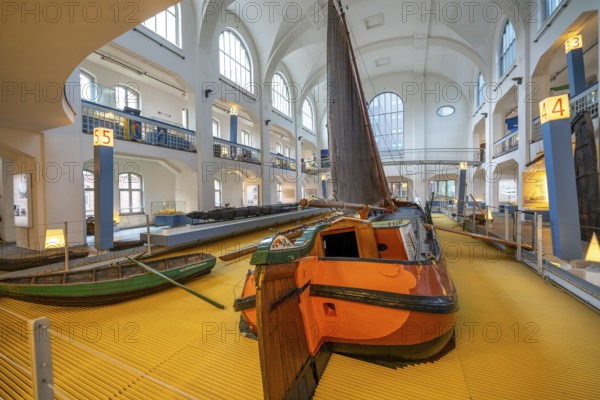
x=106 y=284
x=375 y=289
x=371 y=287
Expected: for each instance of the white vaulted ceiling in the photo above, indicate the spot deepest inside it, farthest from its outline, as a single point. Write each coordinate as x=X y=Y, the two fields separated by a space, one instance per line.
x=452 y=39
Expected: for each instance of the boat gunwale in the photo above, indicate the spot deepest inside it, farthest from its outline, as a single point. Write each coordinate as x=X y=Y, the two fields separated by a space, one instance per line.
x=195 y=264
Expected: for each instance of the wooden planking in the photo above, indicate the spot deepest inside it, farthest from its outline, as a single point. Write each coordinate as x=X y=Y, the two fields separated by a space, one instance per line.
x=367 y=244
x=282 y=343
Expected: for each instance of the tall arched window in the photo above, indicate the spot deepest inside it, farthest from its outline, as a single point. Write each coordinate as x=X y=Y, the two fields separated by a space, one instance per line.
x=216 y=128
x=127 y=95
x=167 y=24
x=551 y=5
x=480 y=87
x=280 y=94
x=88 y=194
x=308 y=120
x=234 y=61
x=246 y=138
x=507 y=48
x=87 y=86
x=218 y=192
x=386 y=112
x=131 y=193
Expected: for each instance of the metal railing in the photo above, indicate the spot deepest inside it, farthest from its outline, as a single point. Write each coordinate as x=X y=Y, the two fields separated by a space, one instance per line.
x=310 y=167
x=506 y=144
x=235 y=151
x=584 y=102
x=536 y=130
x=283 y=162
x=431 y=154
x=135 y=128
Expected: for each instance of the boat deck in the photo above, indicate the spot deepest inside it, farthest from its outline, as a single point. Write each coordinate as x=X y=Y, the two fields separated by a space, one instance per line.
x=517 y=338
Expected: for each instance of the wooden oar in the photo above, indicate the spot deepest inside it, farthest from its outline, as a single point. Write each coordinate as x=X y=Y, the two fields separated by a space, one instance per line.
x=187 y=289
x=482 y=237
x=251 y=249
x=478 y=206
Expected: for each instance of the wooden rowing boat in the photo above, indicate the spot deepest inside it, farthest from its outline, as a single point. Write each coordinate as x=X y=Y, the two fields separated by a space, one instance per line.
x=107 y=284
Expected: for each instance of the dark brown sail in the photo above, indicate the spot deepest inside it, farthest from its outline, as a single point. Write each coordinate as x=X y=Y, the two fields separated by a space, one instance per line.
x=356 y=169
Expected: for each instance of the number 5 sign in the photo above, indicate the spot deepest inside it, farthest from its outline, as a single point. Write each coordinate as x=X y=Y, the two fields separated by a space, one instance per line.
x=554 y=108
x=103 y=137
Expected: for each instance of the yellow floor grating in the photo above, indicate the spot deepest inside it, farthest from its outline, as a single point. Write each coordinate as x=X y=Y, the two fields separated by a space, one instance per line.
x=517 y=338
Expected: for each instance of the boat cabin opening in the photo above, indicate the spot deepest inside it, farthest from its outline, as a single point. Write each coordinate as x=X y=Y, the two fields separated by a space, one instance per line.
x=403 y=240
x=341 y=244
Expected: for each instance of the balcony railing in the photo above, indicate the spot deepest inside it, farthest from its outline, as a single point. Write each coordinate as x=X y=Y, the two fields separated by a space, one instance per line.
x=506 y=144
x=235 y=151
x=283 y=162
x=435 y=155
x=135 y=128
x=310 y=167
x=584 y=102
x=536 y=131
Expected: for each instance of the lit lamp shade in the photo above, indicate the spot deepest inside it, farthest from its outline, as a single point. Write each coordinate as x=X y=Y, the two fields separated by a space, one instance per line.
x=593 y=253
x=54 y=238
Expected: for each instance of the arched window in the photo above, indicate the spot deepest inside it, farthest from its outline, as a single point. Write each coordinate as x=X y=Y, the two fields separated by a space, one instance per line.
x=167 y=24
x=218 y=191
x=127 y=96
x=88 y=192
x=87 y=86
x=386 y=112
x=507 y=48
x=234 y=61
x=216 y=128
x=308 y=120
x=131 y=193
x=280 y=94
x=246 y=138
x=480 y=87
x=551 y=5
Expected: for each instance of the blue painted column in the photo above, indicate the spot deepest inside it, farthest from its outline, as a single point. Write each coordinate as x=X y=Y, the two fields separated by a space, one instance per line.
x=324 y=186
x=575 y=65
x=233 y=128
x=560 y=174
x=462 y=187
x=103 y=188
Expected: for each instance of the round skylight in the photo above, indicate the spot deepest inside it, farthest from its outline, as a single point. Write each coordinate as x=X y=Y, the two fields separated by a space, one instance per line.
x=445 y=111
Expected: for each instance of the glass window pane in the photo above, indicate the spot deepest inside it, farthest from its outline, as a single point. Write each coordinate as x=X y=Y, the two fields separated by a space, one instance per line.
x=135 y=182
x=124 y=204
x=136 y=201
x=123 y=181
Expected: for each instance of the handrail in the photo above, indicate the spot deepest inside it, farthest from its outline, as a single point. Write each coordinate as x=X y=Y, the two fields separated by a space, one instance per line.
x=129 y=115
x=506 y=137
x=227 y=142
x=277 y=155
x=143 y=130
x=235 y=151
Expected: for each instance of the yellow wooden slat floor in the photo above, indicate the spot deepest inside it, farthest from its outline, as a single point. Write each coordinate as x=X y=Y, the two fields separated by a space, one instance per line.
x=517 y=338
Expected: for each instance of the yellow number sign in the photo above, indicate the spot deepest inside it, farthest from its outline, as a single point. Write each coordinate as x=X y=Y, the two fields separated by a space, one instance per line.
x=103 y=137
x=554 y=108
x=575 y=42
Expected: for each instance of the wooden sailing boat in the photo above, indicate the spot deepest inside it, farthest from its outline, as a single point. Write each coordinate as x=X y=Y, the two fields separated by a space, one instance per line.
x=370 y=288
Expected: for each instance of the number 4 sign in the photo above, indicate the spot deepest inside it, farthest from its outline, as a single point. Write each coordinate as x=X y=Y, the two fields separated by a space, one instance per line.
x=554 y=108
x=103 y=137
